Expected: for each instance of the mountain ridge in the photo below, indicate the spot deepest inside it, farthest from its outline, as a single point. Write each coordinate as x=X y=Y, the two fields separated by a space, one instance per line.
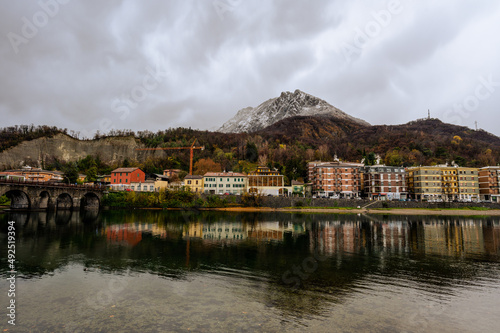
x=298 y=103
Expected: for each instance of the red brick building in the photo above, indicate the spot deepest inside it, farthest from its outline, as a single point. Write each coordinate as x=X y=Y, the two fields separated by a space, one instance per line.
x=489 y=183
x=335 y=179
x=127 y=175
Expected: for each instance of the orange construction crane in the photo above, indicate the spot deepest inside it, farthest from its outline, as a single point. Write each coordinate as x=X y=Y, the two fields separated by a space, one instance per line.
x=191 y=148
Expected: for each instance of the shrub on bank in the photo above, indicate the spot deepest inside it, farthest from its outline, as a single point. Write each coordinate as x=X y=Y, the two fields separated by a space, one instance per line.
x=162 y=199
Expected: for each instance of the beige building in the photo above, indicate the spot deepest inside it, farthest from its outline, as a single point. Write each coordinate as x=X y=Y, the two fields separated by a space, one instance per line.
x=468 y=184
x=194 y=183
x=161 y=182
x=225 y=182
x=145 y=186
x=443 y=183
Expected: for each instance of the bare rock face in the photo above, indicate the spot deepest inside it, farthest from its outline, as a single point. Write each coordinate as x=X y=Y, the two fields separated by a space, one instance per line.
x=111 y=150
x=286 y=105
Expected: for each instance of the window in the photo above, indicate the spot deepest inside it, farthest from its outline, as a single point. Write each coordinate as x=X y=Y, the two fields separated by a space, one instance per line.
x=189 y=182
x=151 y=187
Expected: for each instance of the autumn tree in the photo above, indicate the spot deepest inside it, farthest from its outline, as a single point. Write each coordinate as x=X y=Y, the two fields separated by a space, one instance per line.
x=205 y=165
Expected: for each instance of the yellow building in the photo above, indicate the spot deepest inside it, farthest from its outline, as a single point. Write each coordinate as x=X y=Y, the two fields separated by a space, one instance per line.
x=443 y=183
x=424 y=183
x=194 y=183
x=449 y=183
x=468 y=184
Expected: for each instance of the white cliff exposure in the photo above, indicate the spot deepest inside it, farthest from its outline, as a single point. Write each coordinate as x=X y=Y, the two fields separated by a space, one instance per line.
x=286 y=105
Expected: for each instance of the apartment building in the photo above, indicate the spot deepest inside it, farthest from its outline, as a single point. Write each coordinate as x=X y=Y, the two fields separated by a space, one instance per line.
x=443 y=182
x=384 y=182
x=489 y=183
x=424 y=183
x=225 y=182
x=335 y=179
x=468 y=184
x=266 y=182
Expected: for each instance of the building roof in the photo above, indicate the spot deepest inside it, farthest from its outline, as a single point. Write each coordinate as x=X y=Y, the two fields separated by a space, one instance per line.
x=296 y=182
x=224 y=174
x=339 y=165
x=163 y=177
x=495 y=167
x=30 y=171
x=125 y=170
x=193 y=177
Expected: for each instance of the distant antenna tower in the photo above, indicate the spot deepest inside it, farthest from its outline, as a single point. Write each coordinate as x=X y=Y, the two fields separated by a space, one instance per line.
x=476 y=124
x=428 y=114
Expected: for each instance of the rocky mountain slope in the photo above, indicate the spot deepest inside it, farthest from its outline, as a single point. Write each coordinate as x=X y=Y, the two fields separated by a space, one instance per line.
x=285 y=106
x=62 y=147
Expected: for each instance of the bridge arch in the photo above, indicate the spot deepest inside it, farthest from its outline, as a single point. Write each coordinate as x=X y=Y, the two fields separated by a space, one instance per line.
x=90 y=200
x=18 y=199
x=64 y=201
x=44 y=200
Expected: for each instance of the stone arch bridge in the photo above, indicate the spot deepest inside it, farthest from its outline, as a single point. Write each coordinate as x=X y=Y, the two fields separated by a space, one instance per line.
x=28 y=195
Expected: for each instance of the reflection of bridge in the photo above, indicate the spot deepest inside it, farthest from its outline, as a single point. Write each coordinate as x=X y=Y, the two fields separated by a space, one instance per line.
x=40 y=195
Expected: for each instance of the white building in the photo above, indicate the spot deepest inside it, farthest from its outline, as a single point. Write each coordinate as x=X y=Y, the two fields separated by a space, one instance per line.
x=225 y=182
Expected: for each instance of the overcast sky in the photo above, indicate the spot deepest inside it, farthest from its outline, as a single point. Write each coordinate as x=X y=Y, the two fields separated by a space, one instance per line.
x=96 y=65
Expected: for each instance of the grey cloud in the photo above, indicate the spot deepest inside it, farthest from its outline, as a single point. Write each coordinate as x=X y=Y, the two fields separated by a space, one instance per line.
x=92 y=55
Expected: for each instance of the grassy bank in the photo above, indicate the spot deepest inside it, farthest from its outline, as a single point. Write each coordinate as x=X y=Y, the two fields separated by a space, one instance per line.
x=176 y=199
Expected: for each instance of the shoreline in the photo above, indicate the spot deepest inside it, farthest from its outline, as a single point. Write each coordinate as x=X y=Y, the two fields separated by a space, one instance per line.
x=395 y=211
x=377 y=211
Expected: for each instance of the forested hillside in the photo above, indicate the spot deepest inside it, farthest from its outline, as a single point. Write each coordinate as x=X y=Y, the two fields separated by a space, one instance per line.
x=286 y=145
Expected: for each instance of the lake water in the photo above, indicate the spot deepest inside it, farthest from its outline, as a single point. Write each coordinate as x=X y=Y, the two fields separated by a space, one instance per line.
x=162 y=271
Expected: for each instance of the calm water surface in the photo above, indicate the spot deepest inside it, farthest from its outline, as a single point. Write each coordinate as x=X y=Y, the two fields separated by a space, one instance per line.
x=158 y=271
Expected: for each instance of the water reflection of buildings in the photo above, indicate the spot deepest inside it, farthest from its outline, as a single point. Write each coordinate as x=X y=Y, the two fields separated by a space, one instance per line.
x=328 y=237
x=460 y=237
x=130 y=234
x=237 y=231
x=439 y=236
